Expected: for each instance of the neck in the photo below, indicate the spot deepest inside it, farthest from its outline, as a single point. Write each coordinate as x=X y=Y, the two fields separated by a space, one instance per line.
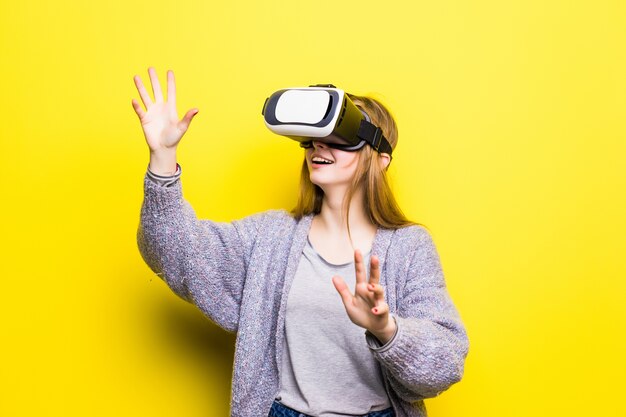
x=332 y=218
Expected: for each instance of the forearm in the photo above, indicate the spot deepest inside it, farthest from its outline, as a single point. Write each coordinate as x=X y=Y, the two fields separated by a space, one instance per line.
x=425 y=357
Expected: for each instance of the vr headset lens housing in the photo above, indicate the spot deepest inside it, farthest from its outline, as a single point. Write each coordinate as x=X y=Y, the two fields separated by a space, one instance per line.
x=309 y=107
x=321 y=112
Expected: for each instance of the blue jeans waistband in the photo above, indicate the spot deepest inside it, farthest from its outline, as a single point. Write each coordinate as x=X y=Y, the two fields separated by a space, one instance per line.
x=281 y=410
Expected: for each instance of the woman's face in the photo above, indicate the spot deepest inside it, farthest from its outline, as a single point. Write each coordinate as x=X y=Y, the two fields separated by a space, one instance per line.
x=339 y=171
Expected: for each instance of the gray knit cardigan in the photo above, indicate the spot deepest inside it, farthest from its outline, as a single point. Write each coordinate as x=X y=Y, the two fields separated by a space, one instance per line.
x=239 y=273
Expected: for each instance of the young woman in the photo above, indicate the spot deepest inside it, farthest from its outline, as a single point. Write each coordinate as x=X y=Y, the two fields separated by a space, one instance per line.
x=340 y=306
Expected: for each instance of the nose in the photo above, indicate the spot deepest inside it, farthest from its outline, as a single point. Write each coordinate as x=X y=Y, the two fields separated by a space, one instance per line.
x=318 y=144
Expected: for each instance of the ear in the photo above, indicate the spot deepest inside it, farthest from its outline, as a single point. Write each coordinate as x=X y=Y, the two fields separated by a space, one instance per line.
x=384 y=160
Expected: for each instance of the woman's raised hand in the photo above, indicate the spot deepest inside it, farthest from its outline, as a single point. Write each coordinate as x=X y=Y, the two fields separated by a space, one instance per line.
x=367 y=307
x=161 y=127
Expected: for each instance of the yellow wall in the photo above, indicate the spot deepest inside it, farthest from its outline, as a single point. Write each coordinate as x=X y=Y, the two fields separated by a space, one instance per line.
x=512 y=147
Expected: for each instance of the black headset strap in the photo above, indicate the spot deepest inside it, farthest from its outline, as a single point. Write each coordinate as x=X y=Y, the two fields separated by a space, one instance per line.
x=374 y=136
x=368 y=132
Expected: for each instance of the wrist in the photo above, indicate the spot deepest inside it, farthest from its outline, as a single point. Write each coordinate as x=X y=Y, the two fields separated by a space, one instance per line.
x=387 y=333
x=163 y=162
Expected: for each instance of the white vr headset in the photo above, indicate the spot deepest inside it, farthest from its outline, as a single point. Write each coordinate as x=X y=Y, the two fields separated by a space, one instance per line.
x=324 y=113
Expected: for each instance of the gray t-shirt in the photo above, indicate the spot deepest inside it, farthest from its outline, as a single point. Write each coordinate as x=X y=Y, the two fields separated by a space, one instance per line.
x=328 y=369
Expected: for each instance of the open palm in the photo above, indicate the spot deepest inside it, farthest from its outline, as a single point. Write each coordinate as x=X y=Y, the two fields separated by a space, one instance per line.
x=161 y=126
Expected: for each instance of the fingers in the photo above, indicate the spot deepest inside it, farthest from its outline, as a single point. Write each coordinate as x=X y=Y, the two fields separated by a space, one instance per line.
x=377 y=293
x=381 y=309
x=145 y=97
x=171 y=88
x=156 y=87
x=138 y=109
x=359 y=267
x=374 y=270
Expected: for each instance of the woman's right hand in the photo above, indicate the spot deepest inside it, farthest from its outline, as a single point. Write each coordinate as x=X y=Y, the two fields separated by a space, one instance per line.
x=161 y=127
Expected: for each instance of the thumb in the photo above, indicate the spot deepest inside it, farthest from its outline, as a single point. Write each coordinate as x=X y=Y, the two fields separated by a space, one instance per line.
x=186 y=120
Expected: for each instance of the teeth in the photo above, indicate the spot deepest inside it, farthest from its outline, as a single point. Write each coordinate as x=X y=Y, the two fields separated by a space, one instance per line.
x=319 y=159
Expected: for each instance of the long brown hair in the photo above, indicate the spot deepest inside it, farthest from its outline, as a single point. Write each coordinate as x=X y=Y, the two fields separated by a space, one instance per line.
x=380 y=204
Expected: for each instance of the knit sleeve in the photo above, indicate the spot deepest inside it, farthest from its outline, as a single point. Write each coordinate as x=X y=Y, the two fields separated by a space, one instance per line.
x=427 y=354
x=202 y=261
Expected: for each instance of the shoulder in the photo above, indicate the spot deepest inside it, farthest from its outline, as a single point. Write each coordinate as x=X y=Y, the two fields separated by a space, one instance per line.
x=413 y=236
x=278 y=217
x=413 y=242
x=273 y=219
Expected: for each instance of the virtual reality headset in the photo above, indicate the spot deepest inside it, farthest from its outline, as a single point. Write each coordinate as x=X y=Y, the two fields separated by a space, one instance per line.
x=324 y=113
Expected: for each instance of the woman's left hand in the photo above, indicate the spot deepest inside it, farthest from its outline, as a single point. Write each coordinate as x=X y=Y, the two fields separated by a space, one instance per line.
x=367 y=307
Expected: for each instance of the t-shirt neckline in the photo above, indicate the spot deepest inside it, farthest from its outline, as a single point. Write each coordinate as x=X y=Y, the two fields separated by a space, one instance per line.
x=310 y=245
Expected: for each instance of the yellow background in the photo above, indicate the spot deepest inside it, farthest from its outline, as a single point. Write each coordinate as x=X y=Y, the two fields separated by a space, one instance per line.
x=512 y=145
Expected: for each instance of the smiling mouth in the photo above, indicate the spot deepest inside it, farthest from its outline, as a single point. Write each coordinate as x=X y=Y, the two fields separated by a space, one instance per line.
x=320 y=161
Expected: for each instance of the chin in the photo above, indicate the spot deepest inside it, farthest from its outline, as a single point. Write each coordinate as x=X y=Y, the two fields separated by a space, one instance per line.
x=316 y=180
x=325 y=180
x=319 y=180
